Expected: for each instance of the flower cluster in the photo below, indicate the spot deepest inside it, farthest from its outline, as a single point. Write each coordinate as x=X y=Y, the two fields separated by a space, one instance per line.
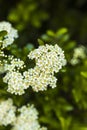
x=13 y=77
x=27 y=119
x=79 y=53
x=7 y=112
x=15 y=82
x=39 y=80
x=10 y=36
x=49 y=59
x=15 y=64
x=6 y=40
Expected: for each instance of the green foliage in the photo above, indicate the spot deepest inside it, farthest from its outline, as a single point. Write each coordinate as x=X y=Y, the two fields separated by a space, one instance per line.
x=26 y=12
x=84 y=74
x=3 y=33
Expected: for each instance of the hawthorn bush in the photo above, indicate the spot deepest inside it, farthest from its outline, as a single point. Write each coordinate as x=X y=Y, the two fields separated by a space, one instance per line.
x=50 y=52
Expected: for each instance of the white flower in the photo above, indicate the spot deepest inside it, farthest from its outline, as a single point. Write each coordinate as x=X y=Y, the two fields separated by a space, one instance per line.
x=1 y=68
x=15 y=64
x=15 y=82
x=48 y=58
x=13 y=77
x=39 y=80
x=27 y=119
x=11 y=33
x=2 y=56
x=43 y=128
x=7 y=112
x=79 y=53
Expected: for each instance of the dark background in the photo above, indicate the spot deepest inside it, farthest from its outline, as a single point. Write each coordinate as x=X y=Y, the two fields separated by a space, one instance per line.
x=65 y=13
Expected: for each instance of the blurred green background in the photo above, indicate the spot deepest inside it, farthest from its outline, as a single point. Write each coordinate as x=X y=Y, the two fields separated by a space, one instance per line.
x=54 y=22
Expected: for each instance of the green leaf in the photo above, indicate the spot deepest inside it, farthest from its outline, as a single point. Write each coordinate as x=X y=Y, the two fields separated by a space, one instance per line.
x=65 y=122
x=1 y=44
x=61 y=31
x=71 y=45
x=84 y=74
x=40 y=42
x=50 y=33
x=79 y=128
x=3 y=33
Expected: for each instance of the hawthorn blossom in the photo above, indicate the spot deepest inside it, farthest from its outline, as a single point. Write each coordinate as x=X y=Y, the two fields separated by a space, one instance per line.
x=27 y=119
x=8 y=39
x=7 y=112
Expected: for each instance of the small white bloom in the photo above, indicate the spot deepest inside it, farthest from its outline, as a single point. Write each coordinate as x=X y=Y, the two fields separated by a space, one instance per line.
x=49 y=59
x=7 y=112
x=15 y=82
x=79 y=53
x=11 y=33
x=39 y=80
x=27 y=119
x=15 y=64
